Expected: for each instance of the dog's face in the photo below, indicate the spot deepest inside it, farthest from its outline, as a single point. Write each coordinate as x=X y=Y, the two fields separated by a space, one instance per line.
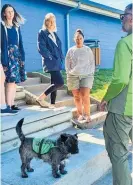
x=71 y=142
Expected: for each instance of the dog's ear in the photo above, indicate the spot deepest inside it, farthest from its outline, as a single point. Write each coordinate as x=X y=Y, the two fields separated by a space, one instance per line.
x=64 y=137
x=76 y=135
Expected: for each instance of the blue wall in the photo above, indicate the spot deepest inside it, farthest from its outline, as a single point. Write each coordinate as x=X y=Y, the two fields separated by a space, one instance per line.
x=107 y=30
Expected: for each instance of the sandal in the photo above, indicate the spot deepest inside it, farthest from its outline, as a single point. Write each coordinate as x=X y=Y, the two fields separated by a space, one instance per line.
x=80 y=118
x=88 y=119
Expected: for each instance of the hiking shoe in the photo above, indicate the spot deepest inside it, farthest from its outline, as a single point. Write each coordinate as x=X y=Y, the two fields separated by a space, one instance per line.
x=43 y=103
x=8 y=112
x=14 y=107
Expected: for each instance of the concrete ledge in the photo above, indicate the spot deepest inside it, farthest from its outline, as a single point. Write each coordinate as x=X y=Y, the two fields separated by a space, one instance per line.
x=45 y=132
x=67 y=102
x=44 y=78
x=20 y=95
x=35 y=126
x=31 y=114
x=31 y=81
x=93 y=108
x=97 y=119
x=19 y=88
x=88 y=172
x=95 y=101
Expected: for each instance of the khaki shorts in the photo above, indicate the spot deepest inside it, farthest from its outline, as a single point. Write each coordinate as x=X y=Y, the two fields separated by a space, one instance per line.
x=76 y=82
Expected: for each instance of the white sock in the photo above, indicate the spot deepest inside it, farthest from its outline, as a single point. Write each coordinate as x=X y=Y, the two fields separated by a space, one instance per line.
x=3 y=106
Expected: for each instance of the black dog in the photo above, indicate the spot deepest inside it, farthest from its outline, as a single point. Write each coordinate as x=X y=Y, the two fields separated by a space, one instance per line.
x=65 y=145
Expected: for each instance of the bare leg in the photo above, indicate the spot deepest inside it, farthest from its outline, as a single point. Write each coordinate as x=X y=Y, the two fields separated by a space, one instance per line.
x=78 y=101
x=85 y=95
x=10 y=93
x=14 y=94
x=42 y=96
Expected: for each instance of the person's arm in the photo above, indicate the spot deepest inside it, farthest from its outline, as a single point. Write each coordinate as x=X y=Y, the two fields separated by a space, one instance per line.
x=68 y=62
x=4 y=52
x=45 y=53
x=92 y=61
x=21 y=46
x=122 y=70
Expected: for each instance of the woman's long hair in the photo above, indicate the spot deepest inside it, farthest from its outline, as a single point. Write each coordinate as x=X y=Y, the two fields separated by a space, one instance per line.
x=47 y=17
x=17 y=20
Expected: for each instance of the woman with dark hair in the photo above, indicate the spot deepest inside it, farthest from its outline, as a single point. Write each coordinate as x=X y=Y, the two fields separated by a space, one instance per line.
x=49 y=46
x=80 y=67
x=12 y=52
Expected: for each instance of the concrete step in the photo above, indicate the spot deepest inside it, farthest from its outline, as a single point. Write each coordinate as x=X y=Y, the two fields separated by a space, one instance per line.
x=84 y=168
x=107 y=178
x=20 y=95
x=97 y=118
x=35 y=88
x=66 y=101
x=19 y=88
x=61 y=94
x=36 y=119
x=93 y=108
x=38 y=88
x=31 y=81
x=20 y=102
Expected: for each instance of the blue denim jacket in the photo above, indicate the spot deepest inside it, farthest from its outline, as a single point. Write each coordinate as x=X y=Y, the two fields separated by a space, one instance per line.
x=51 y=53
x=4 y=45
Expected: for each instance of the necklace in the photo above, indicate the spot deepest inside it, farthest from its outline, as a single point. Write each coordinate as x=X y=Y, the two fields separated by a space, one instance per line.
x=9 y=25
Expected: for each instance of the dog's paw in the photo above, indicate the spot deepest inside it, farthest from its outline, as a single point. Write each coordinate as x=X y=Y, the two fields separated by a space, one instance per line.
x=30 y=170
x=24 y=176
x=57 y=175
x=63 y=172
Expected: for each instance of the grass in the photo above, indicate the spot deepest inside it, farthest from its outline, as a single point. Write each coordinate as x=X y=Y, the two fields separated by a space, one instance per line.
x=102 y=80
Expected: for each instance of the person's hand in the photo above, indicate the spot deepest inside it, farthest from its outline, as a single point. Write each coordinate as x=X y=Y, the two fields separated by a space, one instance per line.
x=103 y=105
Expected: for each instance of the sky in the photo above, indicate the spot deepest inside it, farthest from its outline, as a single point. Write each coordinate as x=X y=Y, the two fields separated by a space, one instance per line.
x=119 y=4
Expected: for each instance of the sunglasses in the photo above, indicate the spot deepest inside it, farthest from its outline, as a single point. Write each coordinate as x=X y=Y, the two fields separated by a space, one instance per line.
x=123 y=15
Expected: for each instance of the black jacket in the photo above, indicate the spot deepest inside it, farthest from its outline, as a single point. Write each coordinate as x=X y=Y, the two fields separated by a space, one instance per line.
x=51 y=53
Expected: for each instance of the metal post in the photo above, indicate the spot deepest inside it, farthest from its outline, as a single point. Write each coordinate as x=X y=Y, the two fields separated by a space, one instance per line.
x=68 y=23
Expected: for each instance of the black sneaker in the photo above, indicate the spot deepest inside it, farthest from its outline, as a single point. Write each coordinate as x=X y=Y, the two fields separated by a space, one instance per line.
x=8 y=112
x=14 y=107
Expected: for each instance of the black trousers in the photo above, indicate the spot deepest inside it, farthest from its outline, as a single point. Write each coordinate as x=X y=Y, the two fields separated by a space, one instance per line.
x=56 y=82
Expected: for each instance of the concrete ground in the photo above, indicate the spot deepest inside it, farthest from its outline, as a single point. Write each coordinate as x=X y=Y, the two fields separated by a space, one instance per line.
x=107 y=179
x=83 y=168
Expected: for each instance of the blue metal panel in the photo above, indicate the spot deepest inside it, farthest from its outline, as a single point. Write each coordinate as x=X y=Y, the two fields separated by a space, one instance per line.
x=105 y=29
x=34 y=12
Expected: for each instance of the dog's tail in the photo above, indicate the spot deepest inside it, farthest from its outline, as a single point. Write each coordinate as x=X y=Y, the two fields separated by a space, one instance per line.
x=19 y=130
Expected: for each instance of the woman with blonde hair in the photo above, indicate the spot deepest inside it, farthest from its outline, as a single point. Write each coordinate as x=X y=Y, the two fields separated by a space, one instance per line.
x=80 y=66
x=12 y=52
x=49 y=46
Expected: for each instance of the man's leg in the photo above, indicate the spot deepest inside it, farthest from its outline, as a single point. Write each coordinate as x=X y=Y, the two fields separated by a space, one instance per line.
x=116 y=132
